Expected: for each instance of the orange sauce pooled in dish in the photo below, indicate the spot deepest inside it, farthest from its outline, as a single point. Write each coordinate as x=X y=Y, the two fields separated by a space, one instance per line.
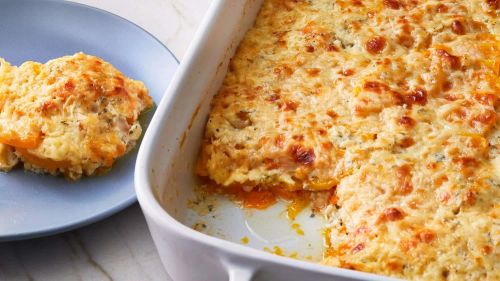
x=259 y=198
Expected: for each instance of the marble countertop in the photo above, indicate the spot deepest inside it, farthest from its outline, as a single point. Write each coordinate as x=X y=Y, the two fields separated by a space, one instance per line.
x=119 y=247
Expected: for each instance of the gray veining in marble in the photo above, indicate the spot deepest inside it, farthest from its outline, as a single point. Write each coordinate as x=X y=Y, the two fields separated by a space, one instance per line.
x=118 y=248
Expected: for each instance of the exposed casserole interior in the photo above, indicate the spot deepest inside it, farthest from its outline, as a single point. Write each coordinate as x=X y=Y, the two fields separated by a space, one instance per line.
x=74 y=115
x=392 y=104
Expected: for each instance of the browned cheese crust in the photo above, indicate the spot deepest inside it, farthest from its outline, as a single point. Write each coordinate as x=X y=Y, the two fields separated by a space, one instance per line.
x=393 y=103
x=74 y=115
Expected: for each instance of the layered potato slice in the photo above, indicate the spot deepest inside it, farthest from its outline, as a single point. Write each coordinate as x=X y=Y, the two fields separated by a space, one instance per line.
x=74 y=115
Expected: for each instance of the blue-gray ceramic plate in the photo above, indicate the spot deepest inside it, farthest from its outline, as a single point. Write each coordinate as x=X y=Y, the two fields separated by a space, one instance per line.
x=36 y=205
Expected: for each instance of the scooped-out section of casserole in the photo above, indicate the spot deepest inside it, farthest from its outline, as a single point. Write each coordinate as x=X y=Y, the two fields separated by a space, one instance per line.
x=385 y=112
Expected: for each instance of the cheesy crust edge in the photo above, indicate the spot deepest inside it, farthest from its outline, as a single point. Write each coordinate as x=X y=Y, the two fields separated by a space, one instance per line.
x=74 y=115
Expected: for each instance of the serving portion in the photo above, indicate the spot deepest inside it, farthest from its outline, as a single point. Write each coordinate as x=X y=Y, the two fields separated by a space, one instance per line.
x=74 y=115
x=384 y=114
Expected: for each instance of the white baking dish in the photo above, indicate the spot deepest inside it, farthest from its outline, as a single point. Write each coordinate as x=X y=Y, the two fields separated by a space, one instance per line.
x=165 y=182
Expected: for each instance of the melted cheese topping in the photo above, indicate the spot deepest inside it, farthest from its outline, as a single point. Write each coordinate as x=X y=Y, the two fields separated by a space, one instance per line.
x=74 y=115
x=391 y=103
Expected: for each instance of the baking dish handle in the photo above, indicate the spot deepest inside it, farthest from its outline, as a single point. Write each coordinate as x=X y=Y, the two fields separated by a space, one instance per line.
x=240 y=273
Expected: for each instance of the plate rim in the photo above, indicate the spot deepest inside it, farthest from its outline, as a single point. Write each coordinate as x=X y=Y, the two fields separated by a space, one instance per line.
x=124 y=203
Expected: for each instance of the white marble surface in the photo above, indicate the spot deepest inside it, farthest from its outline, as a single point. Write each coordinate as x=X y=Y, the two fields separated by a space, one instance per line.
x=172 y=21
x=120 y=247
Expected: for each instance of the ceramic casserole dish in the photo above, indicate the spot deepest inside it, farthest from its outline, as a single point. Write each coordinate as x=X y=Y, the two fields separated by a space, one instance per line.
x=165 y=181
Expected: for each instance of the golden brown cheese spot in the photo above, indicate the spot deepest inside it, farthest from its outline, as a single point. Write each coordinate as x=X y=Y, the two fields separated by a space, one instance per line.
x=458 y=27
x=487 y=99
x=392 y=214
x=494 y=4
x=288 y=4
x=406 y=142
x=47 y=106
x=392 y=4
x=456 y=115
x=280 y=37
x=406 y=40
x=69 y=86
x=405 y=37
x=376 y=87
x=470 y=197
x=289 y=106
x=332 y=48
x=357 y=3
x=375 y=45
x=466 y=162
x=298 y=138
x=485 y=119
x=417 y=96
x=279 y=141
x=302 y=155
x=405 y=185
x=273 y=97
x=327 y=145
x=313 y=72
x=332 y=114
x=442 y=8
x=451 y=61
x=347 y=72
x=406 y=121
x=426 y=236
x=283 y=71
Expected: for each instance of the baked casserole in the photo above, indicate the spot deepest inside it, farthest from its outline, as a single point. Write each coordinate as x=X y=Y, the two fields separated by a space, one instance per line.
x=390 y=108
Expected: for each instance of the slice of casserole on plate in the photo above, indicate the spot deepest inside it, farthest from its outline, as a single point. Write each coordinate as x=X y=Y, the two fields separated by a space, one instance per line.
x=74 y=115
